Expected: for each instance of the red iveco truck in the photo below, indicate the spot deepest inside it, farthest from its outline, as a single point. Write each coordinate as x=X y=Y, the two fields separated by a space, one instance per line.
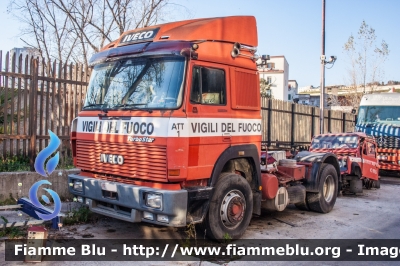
x=170 y=132
x=357 y=157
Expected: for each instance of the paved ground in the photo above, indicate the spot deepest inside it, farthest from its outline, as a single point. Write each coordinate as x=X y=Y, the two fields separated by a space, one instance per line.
x=373 y=215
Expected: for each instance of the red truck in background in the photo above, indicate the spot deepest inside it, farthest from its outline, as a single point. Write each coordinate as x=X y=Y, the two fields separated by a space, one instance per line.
x=170 y=132
x=357 y=157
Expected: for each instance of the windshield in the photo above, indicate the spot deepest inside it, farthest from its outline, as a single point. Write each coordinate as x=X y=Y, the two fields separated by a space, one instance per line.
x=381 y=114
x=146 y=83
x=334 y=142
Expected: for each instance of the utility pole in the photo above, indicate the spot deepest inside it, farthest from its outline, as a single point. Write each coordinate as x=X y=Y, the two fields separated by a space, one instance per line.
x=322 y=86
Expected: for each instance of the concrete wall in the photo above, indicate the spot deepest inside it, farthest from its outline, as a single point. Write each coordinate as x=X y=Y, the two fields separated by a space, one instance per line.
x=19 y=183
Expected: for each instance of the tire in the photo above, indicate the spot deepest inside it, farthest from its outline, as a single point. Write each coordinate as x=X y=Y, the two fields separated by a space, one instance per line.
x=325 y=199
x=302 y=206
x=357 y=172
x=369 y=184
x=340 y=188
x=377 y=184
x=231 y=208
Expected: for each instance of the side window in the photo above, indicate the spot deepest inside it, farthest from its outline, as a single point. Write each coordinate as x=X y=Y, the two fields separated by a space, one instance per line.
x=371 y=149
x=365 y=148
x=208 y=86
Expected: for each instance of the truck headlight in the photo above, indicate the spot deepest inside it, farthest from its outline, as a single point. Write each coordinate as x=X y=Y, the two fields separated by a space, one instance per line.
x=153 y=200
x=78 y=185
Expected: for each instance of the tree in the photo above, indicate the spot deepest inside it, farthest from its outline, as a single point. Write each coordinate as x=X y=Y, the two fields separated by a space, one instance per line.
x=265 y=88
x=75 y=29
x=48 y=30
x=366 y=60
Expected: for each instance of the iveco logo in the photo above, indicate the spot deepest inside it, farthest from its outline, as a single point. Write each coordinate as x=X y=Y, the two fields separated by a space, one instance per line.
x=111 y=158
x=381 y=140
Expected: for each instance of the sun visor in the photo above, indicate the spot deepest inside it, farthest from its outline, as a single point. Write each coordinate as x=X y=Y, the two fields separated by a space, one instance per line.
x=118 y=51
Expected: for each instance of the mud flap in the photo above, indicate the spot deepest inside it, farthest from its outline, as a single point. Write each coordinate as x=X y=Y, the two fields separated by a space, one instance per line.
x=356 y=185
x=257 y=202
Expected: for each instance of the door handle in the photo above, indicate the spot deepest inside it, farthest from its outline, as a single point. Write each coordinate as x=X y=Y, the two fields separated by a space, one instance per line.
x=226 y=137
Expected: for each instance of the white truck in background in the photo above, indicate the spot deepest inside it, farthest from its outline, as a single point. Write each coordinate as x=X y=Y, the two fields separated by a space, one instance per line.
x=379 y=116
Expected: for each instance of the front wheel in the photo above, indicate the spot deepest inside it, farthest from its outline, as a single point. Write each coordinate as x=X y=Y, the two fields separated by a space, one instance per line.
x=325 y=199
x=231 y=208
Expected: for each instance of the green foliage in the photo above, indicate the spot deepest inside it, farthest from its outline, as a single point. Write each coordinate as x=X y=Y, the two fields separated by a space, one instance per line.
x=265 y=88
x=7 y=103
x=14 y=163
x=77 y=216
x=13 y=232
x=227 y=238
x=21 y=163
x=190 y=231
x=10 y=232
x=67 y=163
x=9 y=201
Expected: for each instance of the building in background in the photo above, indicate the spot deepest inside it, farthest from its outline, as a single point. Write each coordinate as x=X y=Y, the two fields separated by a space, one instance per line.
x=304 y=99
x=16 y=53
x=338 y=97
x=292 y=91
x=25 y=51
x=276 y=73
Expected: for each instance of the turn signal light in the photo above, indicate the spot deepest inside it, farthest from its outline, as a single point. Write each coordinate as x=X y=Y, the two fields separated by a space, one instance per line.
x=174 y=172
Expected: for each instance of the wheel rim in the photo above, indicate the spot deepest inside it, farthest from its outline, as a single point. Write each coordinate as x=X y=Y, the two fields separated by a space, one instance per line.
x=233 y=208
x=329 y=188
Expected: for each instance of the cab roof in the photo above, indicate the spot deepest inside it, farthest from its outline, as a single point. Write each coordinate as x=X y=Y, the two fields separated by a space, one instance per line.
x=241 y=29
x=357 y=134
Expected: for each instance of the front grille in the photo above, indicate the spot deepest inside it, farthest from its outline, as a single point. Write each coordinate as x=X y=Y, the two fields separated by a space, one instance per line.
x=386 y=142
x=141 y=161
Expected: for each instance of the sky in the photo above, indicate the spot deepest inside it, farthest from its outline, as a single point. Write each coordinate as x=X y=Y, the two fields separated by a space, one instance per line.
x=288 y=27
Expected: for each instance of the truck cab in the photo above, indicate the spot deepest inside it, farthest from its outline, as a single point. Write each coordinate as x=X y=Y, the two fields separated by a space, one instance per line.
x=357 y=157
x=378 y=116
x=170 y=132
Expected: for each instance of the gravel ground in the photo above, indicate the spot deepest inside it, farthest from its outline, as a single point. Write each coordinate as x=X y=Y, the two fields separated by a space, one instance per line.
x=373 y=215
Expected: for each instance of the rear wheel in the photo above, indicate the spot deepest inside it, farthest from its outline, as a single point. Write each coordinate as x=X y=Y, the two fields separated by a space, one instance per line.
x=302 y=206
x=377 y=184
x=325 y=199
x=231 y=208
x=368 y=183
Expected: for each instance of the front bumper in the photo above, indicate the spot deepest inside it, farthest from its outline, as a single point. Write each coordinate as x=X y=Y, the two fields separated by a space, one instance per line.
x=127 y=202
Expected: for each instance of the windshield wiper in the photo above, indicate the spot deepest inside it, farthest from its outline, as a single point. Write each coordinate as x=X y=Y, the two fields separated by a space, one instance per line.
x=94 y=105
x=124 y=105
x=132 y=106
x=370 y=124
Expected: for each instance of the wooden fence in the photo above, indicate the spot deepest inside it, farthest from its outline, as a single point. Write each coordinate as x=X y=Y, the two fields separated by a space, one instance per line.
x=286 y=125
x=37 y=96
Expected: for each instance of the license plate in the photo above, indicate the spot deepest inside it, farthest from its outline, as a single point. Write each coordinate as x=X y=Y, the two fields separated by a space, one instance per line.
x=109 y=186
x=383 y=157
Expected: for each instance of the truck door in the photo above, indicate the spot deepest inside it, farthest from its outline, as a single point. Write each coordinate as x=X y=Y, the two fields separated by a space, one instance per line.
x=209 y=116
x=369 y=161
